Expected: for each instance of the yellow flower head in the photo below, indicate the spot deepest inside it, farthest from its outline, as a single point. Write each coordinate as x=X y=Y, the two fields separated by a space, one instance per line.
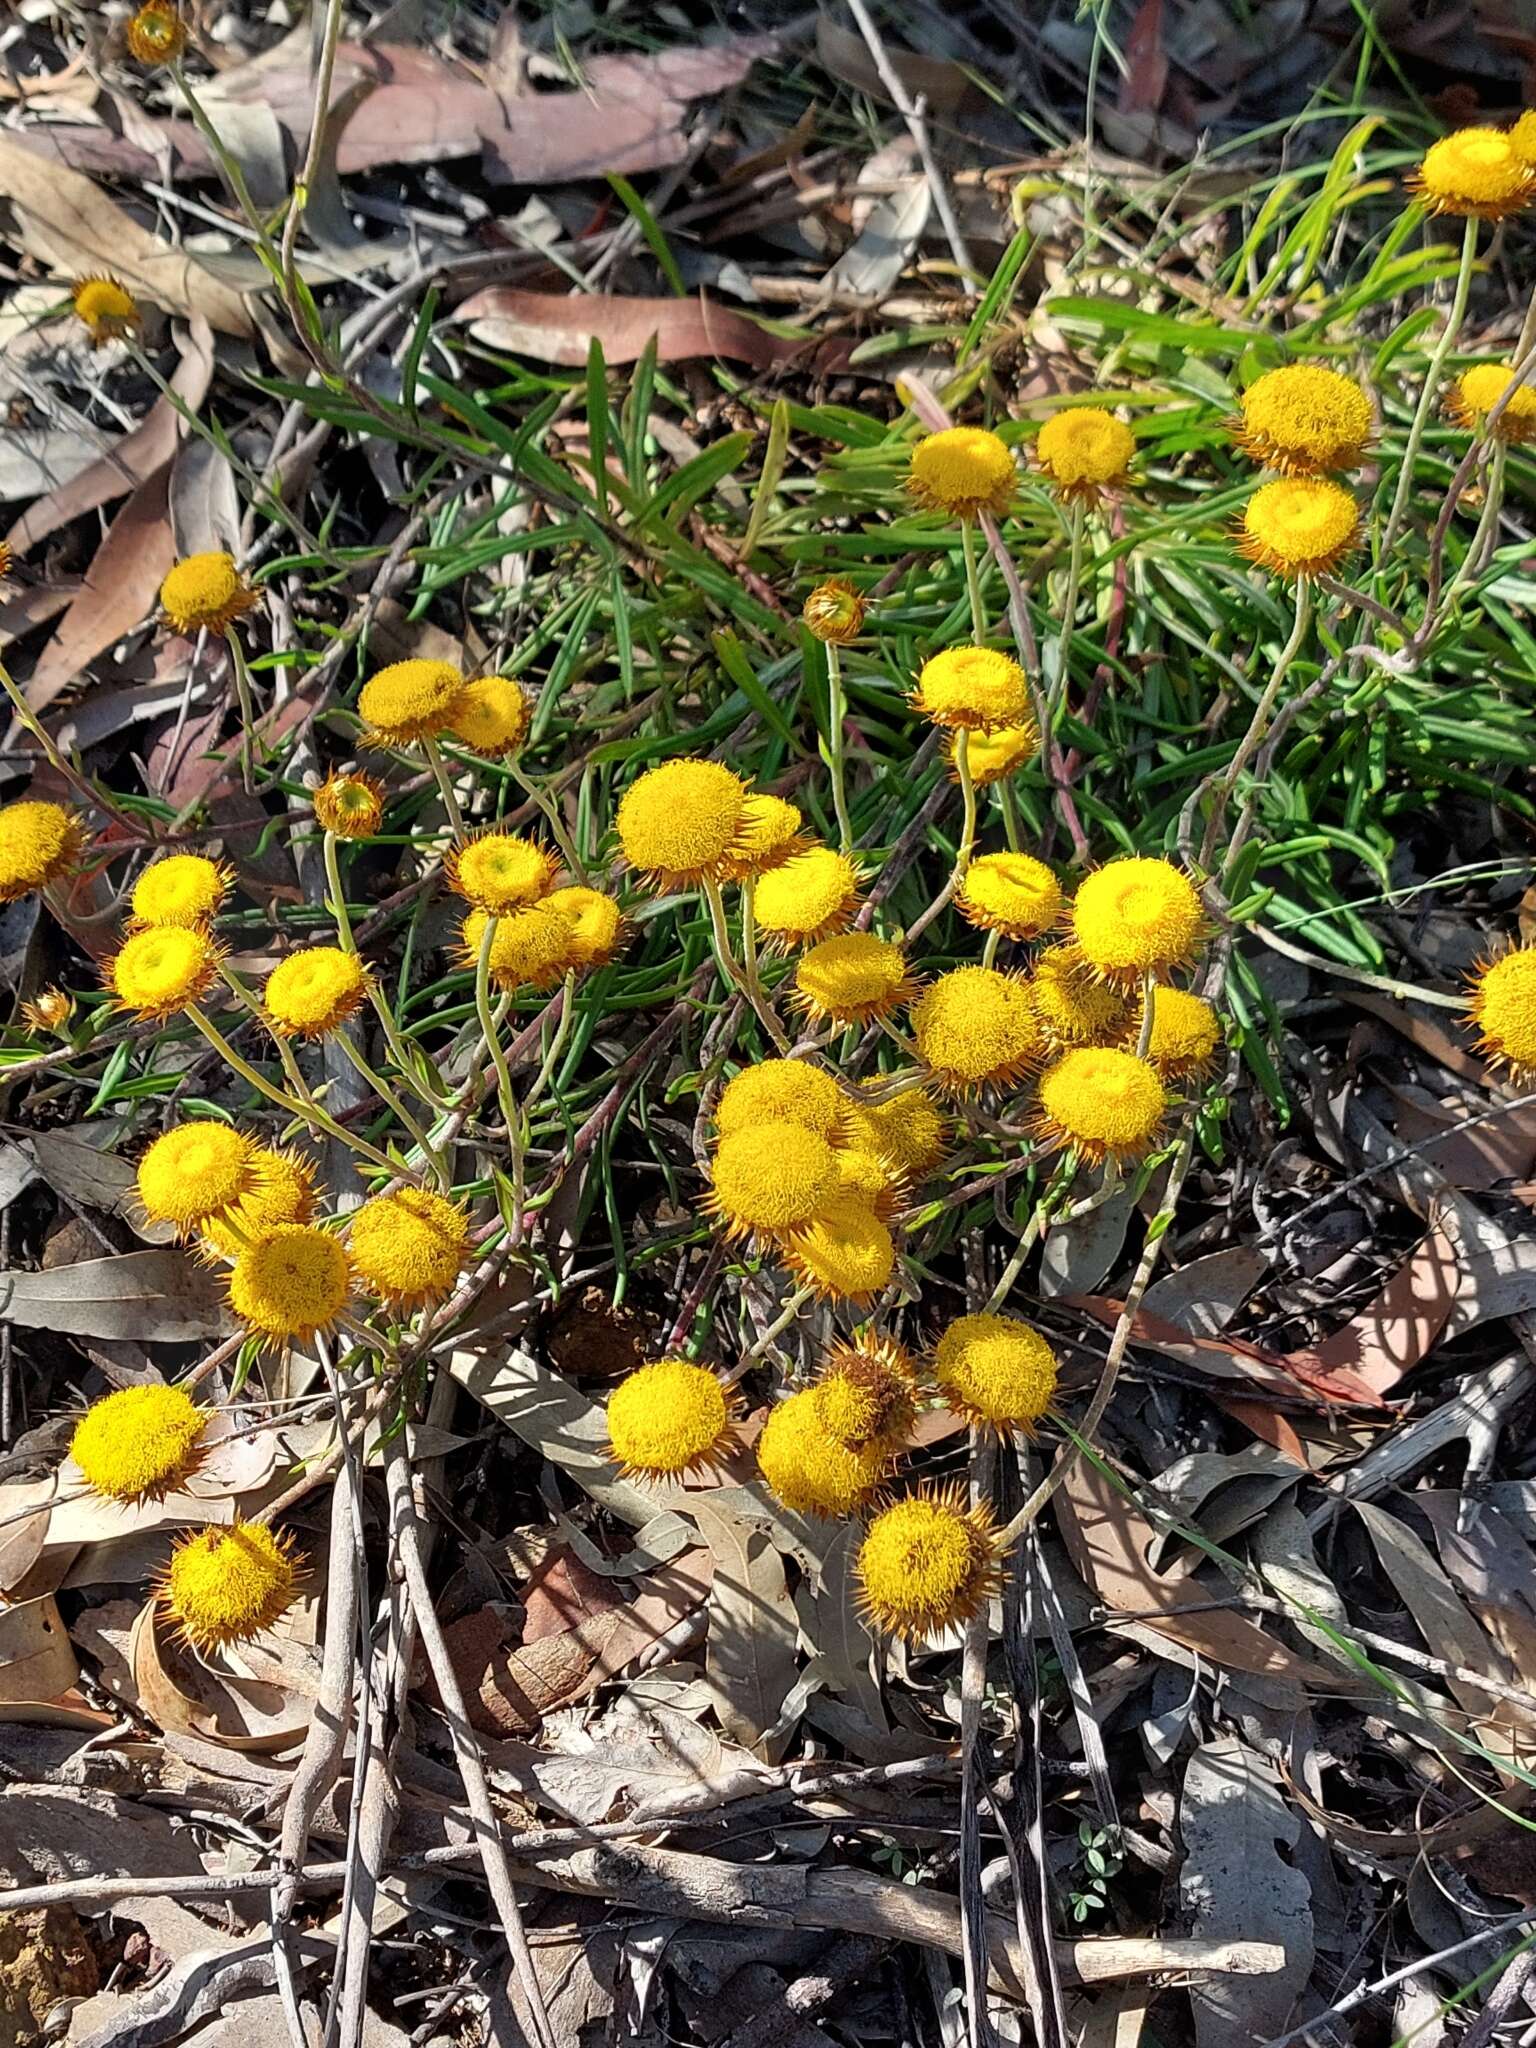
x=156 y=34
x=846 y=1254
x=164 y=970
x=1474 y=172
x=911 y=1131
x=780 y=1092
x=852 y=978
x=38 y=843
x=7 y=557
x=1185 y=1033
x=409 y=700
x=205 y=592
x=866 y=1394
x=181 y=888
x=927 y=1563
x=1009 y=893
x=1073 y=1006
x=1135 y=916
x=963 y=471
x=972 y=689
x=283 y=1191
x=1102 y=1103
x=681 y=822
x=491 y=716
x=49 y=1010
x=194 y=1172
x=409 y=1247
x=769 y=835
x=314 y=992
x=1305 y=420
x=598 y=928
x=1299 y=526
x=499 y=872
x=772 y=1179
x=996 y=755
x=1478 y=390
x=864 y=1172
x=1522 y=139
x=106 y=309
x=1084 y=451
x=350 y=805
x=809 y=898
x=1503 y=1007
x=668 y=1418
x=810 y=1472
x=139 y=1443
x=290 y=1281
x=530 y=949
x=224 y=1585
x=834 y=611
x=991 y=1369
x=976 y=1028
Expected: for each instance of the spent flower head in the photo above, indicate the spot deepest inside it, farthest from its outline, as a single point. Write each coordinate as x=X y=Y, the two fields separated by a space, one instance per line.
x=105 y=308
x=38 y=843
x=834 y=612
x=866 y=1393
x=156 y=34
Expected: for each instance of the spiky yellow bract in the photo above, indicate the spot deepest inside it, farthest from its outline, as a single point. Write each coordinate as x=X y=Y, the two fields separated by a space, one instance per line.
x=314 y=992
x=500 y=871
x=911 y=1131
x=156 y=34
x=1102 y=1103
x=290 y=1281
x=1073 y=1005
x=865 y=1172
x=810 y=1472
x=350 y=805
x=994 y=1370
x=970 y=689
x=180 y=888
x=409 y=1246
x=809 y=898
x=105 y=308
x=996 y=755
x=7 y=557
x=205 y=592
x=140 y=1443
x=1305 y=420
x=491 y=716
x=224 y=1585
x=963 y=471
x=668 y=1418
x=768 y=836
x=780 y=1091
x=976 y=1028
x=771 y=1179
x=1474 y=172
x=1085 y=451
x=157 y=973
x=51 y=1009
x=1522 y=139
x=409 y=700
x=38 y=843
x=598 y=927
x=834 y=612
x=866 y=1394
x=1137 y=916
x=1478 y=390
x=530 y=949
x=1503 y=1007
x=1185 y=1033
x=928 y=1562
x=1011 y=893
x=1299 y=526
x=681 y=823
x=196 y=1171
x=852 y=979
x=846 y=1253
x=284 y=1192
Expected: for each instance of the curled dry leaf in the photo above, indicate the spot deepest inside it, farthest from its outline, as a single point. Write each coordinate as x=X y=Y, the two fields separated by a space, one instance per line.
x=208 y=1697
x=553 y=327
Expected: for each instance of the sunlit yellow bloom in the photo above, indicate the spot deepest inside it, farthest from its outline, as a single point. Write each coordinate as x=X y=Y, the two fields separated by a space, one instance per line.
x=283 y=1192
x=156 y=34
x=1305 y=420
x=105 y=308
x=1299 y=526
x=409 y=1246
x=491 y=716
x=140 y=1443
x=911 y=1131
x=1101 y=1102
x=771 y=1180
x=409 y=700
x=499 y=871
x=927 y=1563
x=290 y=1282
x=963 y=471
x=1073 y=1005
x=38 y=843
x=992 y=1369
x=1185 y=1033
x=972 y=689
x=1474 y=172
x=205 y=593
x=809 y=1471
x=226 y=1584
x=1503 y=1007
x=769 y=835
x=852 y=978
x=350 y=804
x=195 y=1171
x=809 y=898
x=531 y=948
x=1085 y=451
x=681 y=823
x=780 y=1091
x=181 y=888
x=1009 y=893
x=996 y=755
x=976 y=1028
x=598 y=926
x=668 y=1418
x=1478 y=390
x=846 y=1253
x=164 y=970
x=314 y=992
x=1137 y=916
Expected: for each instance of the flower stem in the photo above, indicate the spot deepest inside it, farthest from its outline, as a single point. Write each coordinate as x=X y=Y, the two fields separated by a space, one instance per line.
x=781 y=1322
x=1253 y=738
x=338 y=902
x=444 y=787
x=751 y=977
x=492 y=1037
x=837 y=712
x=54 y=756
x=247 y=708
x=283 y=1049
x=1427 y=396
x=1148 y=1001
x=550 y=811
x=1056 y=696
x=396 y=1108
x=307 y=1112
x=973 y=582
x=556 y=1044
x=1473 y=562
x=1010 y=809
x=400 y=1051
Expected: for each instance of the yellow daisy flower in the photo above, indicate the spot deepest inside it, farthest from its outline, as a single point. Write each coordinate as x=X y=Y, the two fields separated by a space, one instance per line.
x=1305 y=420
x=927 y=1563
x=963 y=471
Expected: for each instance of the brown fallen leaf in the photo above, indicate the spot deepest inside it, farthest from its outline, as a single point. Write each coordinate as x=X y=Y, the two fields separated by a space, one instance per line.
x=1393 y=1333
x=1229 y=1358
x=119 y=590
x=68 y=223
x=553 y=327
